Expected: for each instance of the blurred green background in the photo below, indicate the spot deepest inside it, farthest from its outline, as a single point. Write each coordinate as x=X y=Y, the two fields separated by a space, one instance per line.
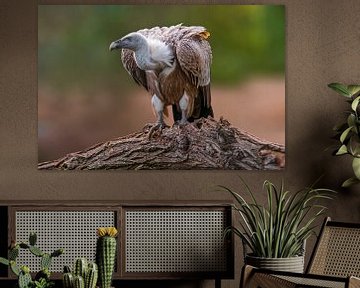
x=85 y=94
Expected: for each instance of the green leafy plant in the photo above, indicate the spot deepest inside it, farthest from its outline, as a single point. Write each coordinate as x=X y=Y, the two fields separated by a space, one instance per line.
x=279 y=229
x=43 y=283
x=349 y=132
x=42 y=278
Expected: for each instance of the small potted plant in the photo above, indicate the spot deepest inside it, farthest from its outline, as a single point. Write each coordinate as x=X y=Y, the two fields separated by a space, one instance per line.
x=348 y=132
x=106 y=254
x=275 y=234
x=83 y=275
x=42 y=278
x=87 y=274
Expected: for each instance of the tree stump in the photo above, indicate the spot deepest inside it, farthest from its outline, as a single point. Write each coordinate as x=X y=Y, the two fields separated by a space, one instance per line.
x=205 y=144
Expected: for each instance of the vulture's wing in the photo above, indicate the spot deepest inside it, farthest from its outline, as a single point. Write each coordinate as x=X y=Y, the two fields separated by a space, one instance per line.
x=194 y=56
x=127 y=57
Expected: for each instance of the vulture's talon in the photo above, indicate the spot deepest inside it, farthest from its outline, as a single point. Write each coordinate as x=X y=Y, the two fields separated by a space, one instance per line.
x=157 y=127
x=147 y=127
x=181 y=123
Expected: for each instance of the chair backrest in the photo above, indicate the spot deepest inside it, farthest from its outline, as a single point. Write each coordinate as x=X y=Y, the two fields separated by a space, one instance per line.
x=337 y=251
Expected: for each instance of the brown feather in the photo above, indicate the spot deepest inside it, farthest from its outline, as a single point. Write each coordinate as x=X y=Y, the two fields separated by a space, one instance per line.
x=127 y=57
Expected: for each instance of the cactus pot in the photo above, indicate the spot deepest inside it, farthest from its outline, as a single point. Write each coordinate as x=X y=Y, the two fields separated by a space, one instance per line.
x=291 y=264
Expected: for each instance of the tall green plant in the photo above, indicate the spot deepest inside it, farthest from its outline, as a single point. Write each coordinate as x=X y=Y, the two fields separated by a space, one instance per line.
x=349 y=132
x=106 y=254
x=279 y=229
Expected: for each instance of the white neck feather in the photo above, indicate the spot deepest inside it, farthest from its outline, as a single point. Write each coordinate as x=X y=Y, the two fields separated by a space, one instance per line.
x=155 y=55
x=160 y=52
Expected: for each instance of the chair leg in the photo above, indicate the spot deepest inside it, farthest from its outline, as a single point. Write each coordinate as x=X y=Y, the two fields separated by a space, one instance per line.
x=217 y=283
x=246 y=273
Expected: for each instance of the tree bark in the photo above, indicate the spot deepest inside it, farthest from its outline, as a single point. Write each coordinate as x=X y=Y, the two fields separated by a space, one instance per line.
x=205 y=144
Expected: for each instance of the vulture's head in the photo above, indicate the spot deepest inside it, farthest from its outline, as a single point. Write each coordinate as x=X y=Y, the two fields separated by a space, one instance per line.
x=133 y=41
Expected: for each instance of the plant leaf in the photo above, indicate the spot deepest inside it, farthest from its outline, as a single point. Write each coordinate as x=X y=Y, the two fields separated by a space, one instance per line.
x=354 y=145
x=14 y=268
x=45 y=261
x=353 y=89
x=345 y=134
x=349 y=182
x=351 y=120
x=4 y=261
x=340 y=88
x=356 y=167
x=355 y=103
x=342 y=150
x=32 y=238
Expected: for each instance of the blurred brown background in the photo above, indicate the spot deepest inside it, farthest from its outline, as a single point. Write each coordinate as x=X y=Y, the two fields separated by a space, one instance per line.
x=85 y=96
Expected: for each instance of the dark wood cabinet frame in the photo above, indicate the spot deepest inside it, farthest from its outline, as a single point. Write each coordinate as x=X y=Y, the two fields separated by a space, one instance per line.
x=8 y=210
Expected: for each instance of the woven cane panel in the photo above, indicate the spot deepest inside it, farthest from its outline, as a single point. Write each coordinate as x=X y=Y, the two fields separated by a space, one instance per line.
x=74 y=231
x=338 y=253
x=268 y=280
x=175 y=241
x=308 y=282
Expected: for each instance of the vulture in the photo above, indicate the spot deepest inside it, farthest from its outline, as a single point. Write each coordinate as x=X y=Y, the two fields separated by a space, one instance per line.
x=173 y=65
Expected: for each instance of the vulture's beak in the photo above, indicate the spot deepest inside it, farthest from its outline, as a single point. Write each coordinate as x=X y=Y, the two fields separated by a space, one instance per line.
x=115 y=45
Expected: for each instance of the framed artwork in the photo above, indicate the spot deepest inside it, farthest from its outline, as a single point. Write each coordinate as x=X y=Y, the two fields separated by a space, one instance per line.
x=207 y=93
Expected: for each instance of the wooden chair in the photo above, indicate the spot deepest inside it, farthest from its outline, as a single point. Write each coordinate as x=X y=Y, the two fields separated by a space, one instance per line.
x=335 y=262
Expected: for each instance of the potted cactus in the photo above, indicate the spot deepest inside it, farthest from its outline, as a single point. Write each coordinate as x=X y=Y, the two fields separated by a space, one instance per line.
x=106 y=254
x=84 y=275
x=42 y=278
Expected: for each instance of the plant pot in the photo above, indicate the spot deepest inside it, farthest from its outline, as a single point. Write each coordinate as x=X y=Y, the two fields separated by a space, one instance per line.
x=291 y=264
